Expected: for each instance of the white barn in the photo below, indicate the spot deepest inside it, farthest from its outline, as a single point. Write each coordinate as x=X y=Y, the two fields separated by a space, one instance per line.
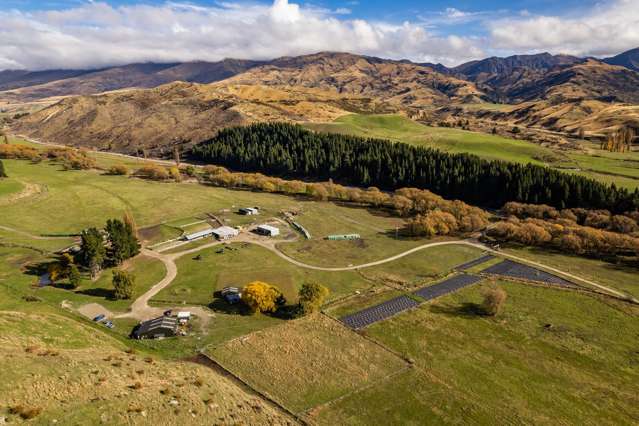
x=268 y=230
x=225 y=233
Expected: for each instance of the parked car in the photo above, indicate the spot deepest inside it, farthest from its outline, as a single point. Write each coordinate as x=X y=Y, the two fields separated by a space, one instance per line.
x=168 y=313
x=109 y=324
x=99 y=318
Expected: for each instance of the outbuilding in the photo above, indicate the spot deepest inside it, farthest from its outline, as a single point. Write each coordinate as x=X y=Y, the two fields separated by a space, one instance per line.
x=249 y=211
x=157 y=328
x=225 y=233
x=198 y=235
x=268 y=230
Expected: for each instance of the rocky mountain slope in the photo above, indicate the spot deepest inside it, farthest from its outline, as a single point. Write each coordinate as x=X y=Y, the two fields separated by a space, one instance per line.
x=629 y=59
x=33 y=86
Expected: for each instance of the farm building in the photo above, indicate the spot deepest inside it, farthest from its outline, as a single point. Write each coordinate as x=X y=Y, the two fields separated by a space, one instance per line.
x=268 y=230
x=249 y=211
x=232 y=294
x=157 y=328
x=225 y=233
x=344 y=237
x=198 y=235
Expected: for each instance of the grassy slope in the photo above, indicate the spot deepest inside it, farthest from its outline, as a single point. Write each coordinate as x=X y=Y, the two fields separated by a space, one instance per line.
x=619 y=277
x=321 y=360
x=580 y=369
x=600 y=165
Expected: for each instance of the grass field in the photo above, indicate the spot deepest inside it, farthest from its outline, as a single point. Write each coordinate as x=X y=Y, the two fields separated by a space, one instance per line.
x=203 y=273
x=619 y=277
x=423 y=266
x=399 y=128
x=307 y=362
x=552 y=357
x=622 y=169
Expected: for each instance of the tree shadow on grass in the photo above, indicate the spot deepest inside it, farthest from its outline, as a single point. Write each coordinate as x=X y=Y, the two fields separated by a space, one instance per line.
x=104 y=293
x=468 y=310
x=220 y=305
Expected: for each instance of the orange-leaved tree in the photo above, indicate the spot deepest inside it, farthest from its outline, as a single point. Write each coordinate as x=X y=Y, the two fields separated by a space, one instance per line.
x=260 y=296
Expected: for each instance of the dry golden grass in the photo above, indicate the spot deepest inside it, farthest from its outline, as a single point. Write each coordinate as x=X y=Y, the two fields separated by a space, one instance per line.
x=307 y=362
x=94 y=379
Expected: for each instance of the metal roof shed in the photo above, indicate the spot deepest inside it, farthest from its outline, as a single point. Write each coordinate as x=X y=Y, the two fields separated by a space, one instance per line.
x=269 y=230
x=225 y=232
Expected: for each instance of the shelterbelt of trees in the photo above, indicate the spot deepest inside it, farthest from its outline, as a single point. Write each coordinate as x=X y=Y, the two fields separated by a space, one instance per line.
x=430 y=214
x=283 y=149
x=585 y=232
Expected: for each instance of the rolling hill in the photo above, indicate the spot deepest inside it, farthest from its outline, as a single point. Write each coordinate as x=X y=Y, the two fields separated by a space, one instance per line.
x=629 y=59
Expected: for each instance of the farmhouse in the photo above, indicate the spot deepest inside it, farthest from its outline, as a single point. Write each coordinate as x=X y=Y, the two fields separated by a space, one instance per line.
x=225 y=233
x=157 y=328
x=198 y=235
x=249 y=211
x=268 y=230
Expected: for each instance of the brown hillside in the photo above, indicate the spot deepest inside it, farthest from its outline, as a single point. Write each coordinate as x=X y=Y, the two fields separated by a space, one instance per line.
x=398 y=83
x=184 y=113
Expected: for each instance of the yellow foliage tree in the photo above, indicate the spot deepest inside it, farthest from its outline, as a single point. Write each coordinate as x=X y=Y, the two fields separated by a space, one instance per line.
x=260 y=296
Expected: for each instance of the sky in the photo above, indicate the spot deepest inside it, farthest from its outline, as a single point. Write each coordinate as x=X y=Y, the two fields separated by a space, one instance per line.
x=47 y=34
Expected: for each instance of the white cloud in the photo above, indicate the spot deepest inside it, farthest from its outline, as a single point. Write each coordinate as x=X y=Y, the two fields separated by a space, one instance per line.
x=606 y=29
x=97 y=34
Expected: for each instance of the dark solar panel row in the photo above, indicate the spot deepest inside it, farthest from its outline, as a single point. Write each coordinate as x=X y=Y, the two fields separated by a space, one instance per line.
x=508 y=268
x=475 y=262
x=379 y=312
x=448 y=286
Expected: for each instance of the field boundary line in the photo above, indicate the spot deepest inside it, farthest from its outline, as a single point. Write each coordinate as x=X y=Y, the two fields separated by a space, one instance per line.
x=216 y=365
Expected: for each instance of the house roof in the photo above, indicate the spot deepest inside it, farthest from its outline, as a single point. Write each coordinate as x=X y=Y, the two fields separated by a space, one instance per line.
x=200 y=234
x=225 y=231
x=157 y=324
x=268 y=228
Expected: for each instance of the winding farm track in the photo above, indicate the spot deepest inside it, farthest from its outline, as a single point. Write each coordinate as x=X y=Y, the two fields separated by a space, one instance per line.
x=141 y=310
x=141 y=304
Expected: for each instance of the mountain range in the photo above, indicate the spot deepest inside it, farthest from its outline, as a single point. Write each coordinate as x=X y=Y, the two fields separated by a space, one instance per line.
x=127 y=108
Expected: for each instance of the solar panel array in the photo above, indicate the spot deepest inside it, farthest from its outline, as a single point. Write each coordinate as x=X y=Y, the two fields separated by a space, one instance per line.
x=475 y=262
x=508 y=268
x=379 y=312
x=452 y=284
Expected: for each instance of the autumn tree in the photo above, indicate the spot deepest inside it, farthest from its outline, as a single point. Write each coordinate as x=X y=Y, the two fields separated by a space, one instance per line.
x=494 y=300
x=123 y=284
x=311 y=297
x=260 y=296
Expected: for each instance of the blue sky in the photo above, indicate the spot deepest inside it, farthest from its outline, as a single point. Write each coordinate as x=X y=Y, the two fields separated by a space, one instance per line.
x=39 y=34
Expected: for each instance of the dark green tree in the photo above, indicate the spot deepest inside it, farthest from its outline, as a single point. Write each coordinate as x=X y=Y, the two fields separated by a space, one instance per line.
x=292 y=151
x=123 y=243
x=123 y=283
x=92 y=251
x=74 y=276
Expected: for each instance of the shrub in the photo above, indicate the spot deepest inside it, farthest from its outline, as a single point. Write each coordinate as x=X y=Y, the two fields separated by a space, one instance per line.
x=119 y=170
x=494 y=300
x=153 y=172
x=311 y=297
x=25 y=412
